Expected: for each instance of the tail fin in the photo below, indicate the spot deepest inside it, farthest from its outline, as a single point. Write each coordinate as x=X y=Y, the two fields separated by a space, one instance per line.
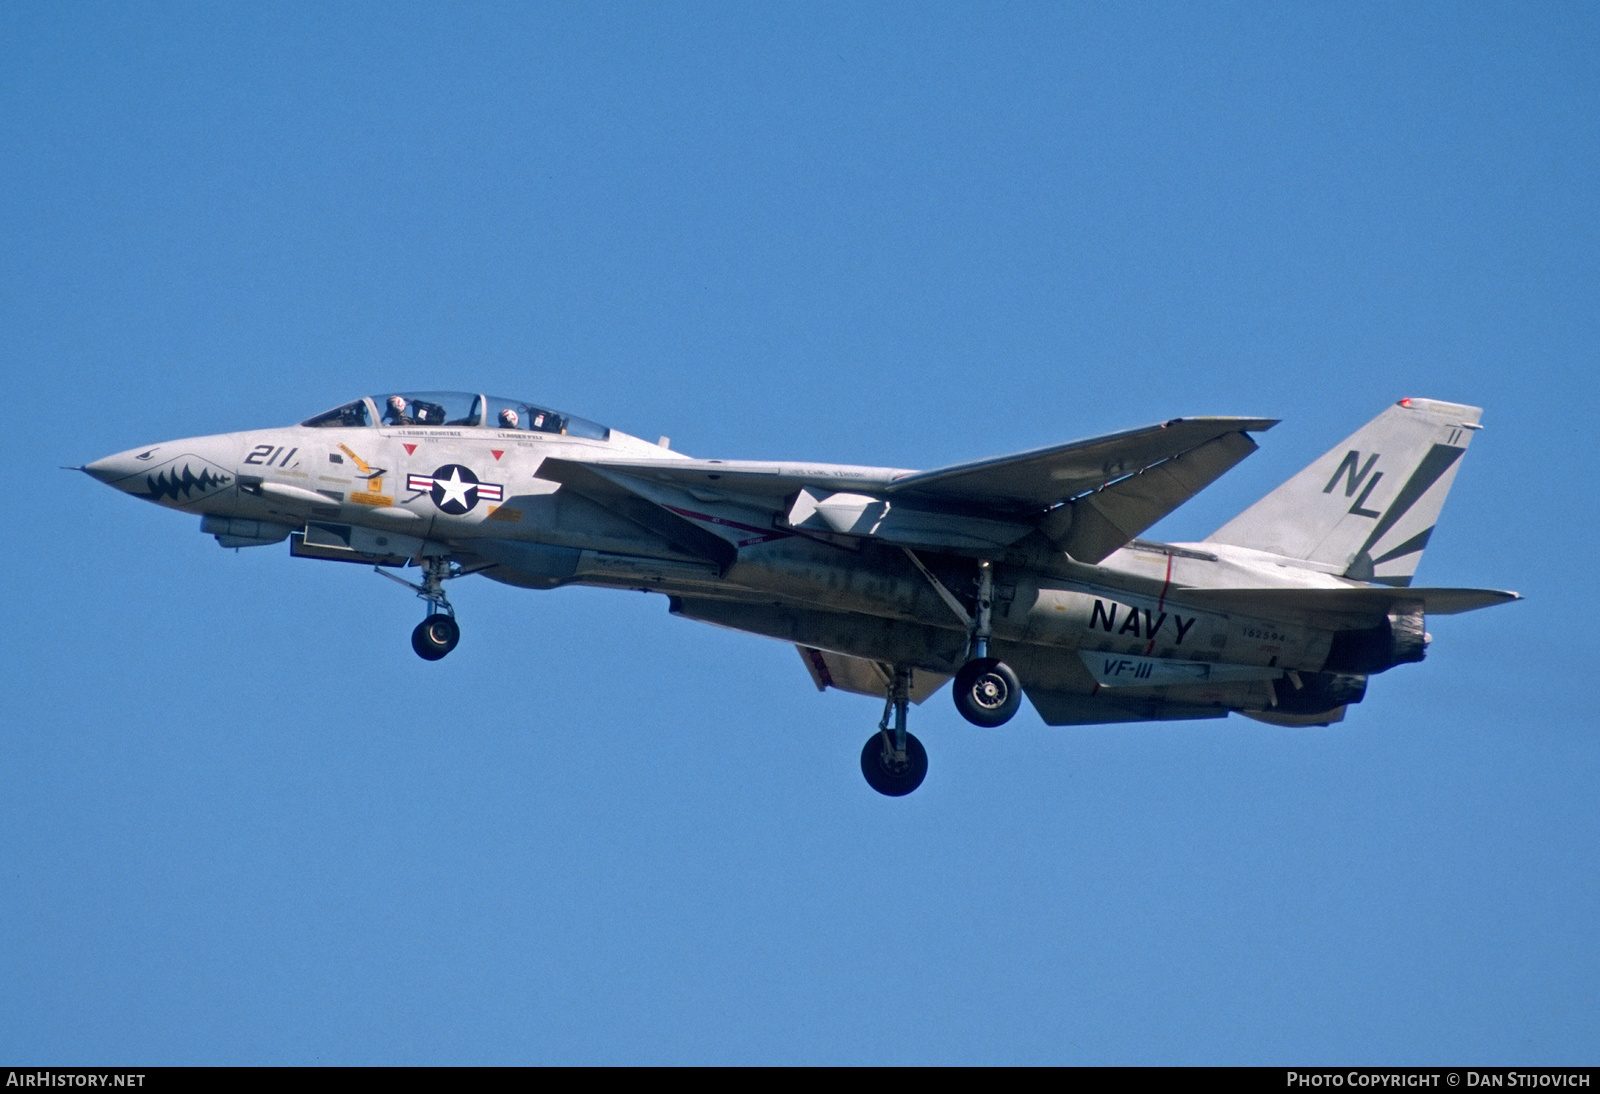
x=1366 y=508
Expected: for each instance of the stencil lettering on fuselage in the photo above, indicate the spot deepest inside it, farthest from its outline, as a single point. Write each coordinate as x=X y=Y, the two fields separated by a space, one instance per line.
x=1104 y=616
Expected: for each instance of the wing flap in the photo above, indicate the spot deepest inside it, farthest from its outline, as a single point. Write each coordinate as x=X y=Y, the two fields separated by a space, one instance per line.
x=1094 y=526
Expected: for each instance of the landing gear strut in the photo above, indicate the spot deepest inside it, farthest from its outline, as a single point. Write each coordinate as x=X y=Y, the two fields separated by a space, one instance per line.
x=438 y=634
x=986 y=691
x=893 y=761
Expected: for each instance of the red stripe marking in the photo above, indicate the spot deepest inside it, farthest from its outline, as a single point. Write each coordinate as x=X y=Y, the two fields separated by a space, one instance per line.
x=766 y=534
x=821 y=667
x=1161 y=603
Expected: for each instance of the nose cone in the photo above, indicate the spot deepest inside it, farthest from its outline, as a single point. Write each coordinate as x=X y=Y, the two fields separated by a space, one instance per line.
x=178 y=474
x=123 y=469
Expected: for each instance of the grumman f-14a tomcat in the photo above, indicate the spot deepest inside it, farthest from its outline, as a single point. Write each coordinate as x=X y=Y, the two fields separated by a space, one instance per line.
x=1017 y=575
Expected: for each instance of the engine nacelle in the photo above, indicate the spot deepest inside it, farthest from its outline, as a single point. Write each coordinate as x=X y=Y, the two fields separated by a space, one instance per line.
x=1398 y=640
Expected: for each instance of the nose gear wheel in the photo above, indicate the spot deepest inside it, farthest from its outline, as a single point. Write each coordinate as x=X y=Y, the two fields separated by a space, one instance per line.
x=890 y=771
x=893 y=761
x=435 y=636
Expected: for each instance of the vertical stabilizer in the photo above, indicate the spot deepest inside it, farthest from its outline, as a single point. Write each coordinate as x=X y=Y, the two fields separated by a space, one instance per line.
x=1367 y=507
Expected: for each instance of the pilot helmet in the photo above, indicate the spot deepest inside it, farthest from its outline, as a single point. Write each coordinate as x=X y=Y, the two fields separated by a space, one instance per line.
x=508 y=417
x=396 y=403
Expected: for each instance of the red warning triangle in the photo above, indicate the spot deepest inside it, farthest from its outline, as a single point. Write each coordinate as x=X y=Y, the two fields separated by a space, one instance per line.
x=410 y=448
x=498 y=452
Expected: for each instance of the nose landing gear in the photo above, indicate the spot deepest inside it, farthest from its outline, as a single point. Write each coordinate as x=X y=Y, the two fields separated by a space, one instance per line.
x=893 y=761
x=438 y=634
x=435 y=636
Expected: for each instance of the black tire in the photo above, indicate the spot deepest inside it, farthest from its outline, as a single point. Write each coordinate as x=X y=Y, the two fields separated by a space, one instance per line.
x=987 y=692
x=435 y=636
x=887 y=777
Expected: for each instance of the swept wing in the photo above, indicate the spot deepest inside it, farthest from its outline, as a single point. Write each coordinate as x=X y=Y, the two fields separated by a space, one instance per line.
x=1090 y=497
x=1028 y=482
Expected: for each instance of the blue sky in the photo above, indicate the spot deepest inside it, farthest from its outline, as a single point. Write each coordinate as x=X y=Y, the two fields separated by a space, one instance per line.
x=243 y=823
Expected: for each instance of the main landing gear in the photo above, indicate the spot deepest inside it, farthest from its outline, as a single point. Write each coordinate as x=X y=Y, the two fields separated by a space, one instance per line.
x=893 y=761
x=986 y=691
x=438 y=634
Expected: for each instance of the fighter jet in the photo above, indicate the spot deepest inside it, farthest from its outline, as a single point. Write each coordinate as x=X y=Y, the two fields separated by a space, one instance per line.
x=1020 y=575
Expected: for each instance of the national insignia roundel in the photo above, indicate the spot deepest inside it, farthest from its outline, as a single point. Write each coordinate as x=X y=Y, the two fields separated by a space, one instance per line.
x=455 y=489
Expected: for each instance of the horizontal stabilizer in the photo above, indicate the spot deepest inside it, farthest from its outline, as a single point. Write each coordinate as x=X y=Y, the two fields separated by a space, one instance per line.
x=1341 y=607
x=861 y=676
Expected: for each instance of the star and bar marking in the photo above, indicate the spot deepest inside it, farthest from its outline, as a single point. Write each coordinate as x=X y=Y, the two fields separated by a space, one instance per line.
x=455 y=489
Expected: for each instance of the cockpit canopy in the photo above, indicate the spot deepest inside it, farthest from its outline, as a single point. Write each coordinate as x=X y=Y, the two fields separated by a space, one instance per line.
x=455 y=408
